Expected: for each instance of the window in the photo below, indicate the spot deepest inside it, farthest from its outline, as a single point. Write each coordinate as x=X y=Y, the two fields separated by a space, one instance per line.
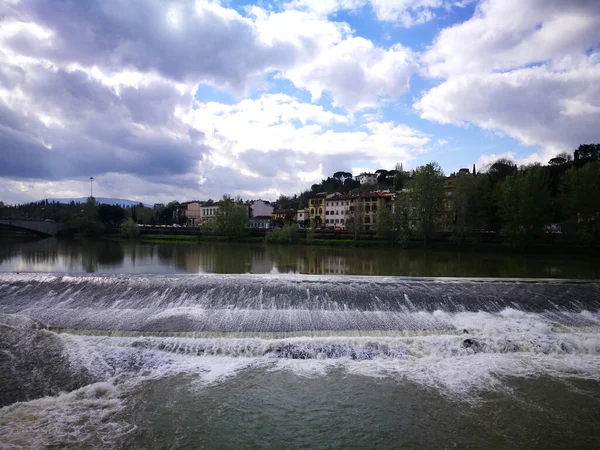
x=312 y=211
x=367 y=219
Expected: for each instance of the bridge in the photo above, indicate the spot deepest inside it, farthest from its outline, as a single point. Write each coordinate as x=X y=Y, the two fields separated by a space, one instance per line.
x=37 y=226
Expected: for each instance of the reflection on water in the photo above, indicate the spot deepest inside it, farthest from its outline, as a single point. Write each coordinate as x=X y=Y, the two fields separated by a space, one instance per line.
x=52 y=255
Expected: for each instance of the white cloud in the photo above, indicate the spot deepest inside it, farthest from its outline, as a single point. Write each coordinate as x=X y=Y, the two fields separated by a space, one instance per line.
x=494 y=79
x=508 y=34
x=357 y=74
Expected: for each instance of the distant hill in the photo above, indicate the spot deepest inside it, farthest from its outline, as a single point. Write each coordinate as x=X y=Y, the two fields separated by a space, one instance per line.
x=100 y=200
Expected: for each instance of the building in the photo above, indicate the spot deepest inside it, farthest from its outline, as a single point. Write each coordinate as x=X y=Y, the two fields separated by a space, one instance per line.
x=303 y=217
x=190 y=209
x=208 y=211
x=286 y=215
x=336 y=210
x=366 y=178
x=316 y=208
x=366 y=206
x=260 y=208
x=260 y=222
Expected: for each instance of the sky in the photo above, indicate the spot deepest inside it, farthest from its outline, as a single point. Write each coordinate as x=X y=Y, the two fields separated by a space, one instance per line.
x=183 y=100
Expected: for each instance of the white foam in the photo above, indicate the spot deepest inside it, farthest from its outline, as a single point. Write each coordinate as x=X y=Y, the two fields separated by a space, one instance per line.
x=87 y=418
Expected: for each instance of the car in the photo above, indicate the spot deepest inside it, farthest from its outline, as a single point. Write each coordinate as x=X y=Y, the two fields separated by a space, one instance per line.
x=50 y=220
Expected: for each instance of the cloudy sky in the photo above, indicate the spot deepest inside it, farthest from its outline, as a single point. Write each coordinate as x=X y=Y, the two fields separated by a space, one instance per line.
x=184 y=100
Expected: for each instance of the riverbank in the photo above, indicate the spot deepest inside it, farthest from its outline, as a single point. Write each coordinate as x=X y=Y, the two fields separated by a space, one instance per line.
x=444 y=245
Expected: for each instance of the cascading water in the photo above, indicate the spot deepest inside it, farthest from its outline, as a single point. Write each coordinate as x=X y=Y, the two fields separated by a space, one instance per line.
x=457 y=336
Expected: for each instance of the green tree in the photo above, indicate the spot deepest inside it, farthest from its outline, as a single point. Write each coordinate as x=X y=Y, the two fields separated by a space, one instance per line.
x=231 y=219
x=130 y=229
x=587 y=153
x=286 y=235
x=87 y=221
x=402 y=222
x=426 y=199
x=111 y=215
x=385 y=224
x=465 y=202
x=398 y=180
x=523 y=201
x=580 y=197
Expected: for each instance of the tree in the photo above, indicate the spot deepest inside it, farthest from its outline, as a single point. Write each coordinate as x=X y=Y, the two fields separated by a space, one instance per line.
x=182 y=220
x=232 y=218
x=342 y=176
x=426 y=199
x=385 y=224
x=587 y=153
x=87 y=221
x=398 y=180
x=354 y=218
x=560 y=159
x=501 y=169
x=401 y=216
x=164 y=215
x=130 y=229
x=465 y=198
x=579 y=195
x=524 y=204
x=286 y=235
x=111 y=215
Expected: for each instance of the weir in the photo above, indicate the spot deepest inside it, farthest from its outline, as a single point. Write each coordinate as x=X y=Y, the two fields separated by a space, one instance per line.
x=249 y=303
x=88 y=328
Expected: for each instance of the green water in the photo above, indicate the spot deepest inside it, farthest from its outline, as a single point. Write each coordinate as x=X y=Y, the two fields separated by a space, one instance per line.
x=52 y=255
x=262 y=409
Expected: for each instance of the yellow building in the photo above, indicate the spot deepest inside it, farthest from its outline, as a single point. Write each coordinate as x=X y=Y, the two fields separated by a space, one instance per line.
x=366 y=205
x=316 y=209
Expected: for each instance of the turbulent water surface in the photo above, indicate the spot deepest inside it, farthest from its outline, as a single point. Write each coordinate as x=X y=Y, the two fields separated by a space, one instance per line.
x=297 y=361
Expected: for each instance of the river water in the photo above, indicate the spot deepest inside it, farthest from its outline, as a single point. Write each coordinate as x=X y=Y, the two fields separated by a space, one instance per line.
x=153 y=346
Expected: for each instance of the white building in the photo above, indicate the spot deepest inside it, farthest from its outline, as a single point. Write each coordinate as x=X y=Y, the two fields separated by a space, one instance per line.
x=302 y=216
x=336 y=210
x=263 y=222
x=208 y=211
x=260 y=208
x=366 y=178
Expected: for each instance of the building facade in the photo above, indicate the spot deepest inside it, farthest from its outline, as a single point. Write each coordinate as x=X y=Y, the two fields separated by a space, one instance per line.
x=191 y=210
x=260 y=222
x=366 y=178
x=336 y=210
x=316 y=209
x=303 y=217
x=208 y=211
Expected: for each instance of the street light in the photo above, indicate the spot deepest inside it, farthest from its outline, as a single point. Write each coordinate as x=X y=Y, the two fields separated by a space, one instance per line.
x=91 y=186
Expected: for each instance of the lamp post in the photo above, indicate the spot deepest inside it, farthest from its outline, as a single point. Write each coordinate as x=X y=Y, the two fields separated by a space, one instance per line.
x=91 y=186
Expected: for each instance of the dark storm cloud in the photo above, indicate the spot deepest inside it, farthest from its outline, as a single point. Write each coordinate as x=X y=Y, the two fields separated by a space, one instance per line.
x=170 y=38
x=95 y=131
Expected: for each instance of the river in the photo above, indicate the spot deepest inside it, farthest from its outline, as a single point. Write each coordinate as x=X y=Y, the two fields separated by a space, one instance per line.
x=150 y=346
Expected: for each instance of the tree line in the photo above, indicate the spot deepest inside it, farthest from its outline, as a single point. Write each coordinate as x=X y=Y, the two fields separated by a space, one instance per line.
x=521 y=204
